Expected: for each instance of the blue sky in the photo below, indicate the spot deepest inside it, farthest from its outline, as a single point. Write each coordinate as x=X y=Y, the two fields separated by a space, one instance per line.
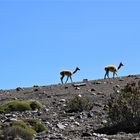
x=39 y=38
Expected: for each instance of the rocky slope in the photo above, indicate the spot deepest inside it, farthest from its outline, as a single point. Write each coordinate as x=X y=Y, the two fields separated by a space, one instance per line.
x=65 y=125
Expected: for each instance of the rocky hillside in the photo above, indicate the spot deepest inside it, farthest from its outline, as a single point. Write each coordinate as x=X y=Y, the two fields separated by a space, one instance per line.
x=64 y=124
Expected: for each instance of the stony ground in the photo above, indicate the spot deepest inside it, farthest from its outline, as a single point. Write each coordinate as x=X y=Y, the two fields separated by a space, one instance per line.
x=71 y=126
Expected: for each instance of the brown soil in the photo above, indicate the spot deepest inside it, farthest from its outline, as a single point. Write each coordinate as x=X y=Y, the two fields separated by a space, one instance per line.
x=72 y=126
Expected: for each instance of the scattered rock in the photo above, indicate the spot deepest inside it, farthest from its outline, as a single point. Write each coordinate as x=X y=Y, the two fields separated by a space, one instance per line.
x=137 y=139
x=61 y=126
x=78 y=85
x=121 y=80
x=85 y=80
x=72 y=118
x=137 y=77
x=35 y=86
x=55 y=136
x=93 y=93
x=131 y=76
x=66 y=87
x=77 y=88
x=118 y=91
x=100 y=93
x=104 y=121
x=77 y=123
x=62 y=100
x=118 y=86
x=36 y=89
x=90 y=115
x=86 y=134
x=79 y=95
x=19 y=89
x=93 y=89
x=98 y=82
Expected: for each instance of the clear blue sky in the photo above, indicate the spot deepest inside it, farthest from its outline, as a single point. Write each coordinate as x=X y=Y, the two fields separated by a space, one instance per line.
x=39 y=38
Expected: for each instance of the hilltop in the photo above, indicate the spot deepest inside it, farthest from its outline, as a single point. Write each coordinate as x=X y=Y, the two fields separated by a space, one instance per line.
x=69 y=125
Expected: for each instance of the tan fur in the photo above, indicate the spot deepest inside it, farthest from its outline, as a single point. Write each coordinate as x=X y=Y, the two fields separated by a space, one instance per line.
x=112 y=68
x=67 y=73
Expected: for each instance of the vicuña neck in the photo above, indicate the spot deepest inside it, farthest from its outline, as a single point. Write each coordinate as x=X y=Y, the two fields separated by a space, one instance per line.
x=75 y=71
x=119 y=66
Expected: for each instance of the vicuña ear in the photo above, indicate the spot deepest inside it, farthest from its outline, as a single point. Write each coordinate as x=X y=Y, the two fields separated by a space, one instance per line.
x=78 y=68
x=122 y=64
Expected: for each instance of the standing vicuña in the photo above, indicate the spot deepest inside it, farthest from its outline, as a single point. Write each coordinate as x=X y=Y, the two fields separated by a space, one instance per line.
x=112 y=68
x=67 y=73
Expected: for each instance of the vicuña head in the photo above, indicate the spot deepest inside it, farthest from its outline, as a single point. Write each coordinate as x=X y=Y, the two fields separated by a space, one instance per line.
x=67 y=73
x=112 y=68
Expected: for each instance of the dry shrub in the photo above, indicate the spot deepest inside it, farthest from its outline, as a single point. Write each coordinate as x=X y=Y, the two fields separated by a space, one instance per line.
x=13 y=132
x=79 y=104
x=19 y=105
x=124 y=109
x=36 y=125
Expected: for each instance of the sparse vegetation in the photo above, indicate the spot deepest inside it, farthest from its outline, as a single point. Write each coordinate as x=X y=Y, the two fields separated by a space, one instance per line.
x=17 y=105
x=25 y=129
x=74 y=110
x=13 y=132
x=79 y=104
x=19 y=123
x=36 y=125
x=124 y=109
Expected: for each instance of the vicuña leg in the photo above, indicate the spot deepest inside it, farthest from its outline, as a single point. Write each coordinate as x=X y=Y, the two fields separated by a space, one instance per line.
x=71 y=78
x=114 y=73
x=106 y=74
x=67 y=79
x=62 y=78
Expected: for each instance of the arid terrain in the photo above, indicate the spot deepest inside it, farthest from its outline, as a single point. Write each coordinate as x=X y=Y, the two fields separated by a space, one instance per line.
x=63 y=125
